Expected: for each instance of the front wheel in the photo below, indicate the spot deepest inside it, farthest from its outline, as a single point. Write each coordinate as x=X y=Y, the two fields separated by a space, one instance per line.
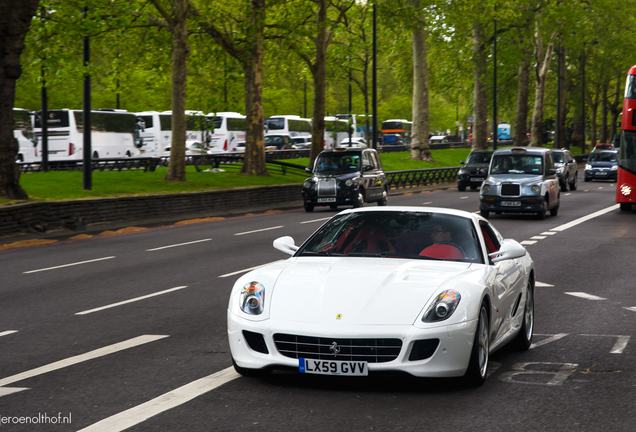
x=565 y=185
x=359 y=199
x=384 y=199
x=461 y=187
x=309 y=208
x=555 y=210
x=484 y=213
x=541 y=213
x=574 y=183
x=478 y=364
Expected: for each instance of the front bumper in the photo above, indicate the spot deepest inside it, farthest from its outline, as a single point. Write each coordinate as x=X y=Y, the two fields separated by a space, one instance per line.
x=530 y=204
x=468 y=180
x=342 y=197
x=450 y=359
x=601 y=175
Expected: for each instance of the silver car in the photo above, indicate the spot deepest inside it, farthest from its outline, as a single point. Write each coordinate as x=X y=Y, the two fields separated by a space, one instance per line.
x=521 y=180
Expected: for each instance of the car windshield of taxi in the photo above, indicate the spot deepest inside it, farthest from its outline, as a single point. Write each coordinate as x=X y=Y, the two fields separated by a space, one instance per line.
x=517 y=164
x=337 y=163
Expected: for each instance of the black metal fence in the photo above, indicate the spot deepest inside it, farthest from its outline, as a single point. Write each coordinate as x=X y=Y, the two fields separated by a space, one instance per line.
x=421 y=177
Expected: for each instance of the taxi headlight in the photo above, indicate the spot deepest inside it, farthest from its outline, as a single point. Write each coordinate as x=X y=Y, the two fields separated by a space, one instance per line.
x=535 y=189
x=442 y=307
x=485 y=188
x=348 y=183
x=308 y=184
x=252 y=298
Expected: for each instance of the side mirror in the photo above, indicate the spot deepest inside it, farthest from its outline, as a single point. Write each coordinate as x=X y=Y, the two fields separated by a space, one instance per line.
x=286 y=244
x=551 y=172
x=309 y=170
x=570 y=160
x=510 y=249
x=368 y=167
x=462 y=162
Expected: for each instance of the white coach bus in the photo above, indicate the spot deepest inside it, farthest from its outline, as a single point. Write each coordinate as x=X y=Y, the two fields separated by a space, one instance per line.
x=23 y=132
x=293 y=125
x=114 y=134
x=229 y=129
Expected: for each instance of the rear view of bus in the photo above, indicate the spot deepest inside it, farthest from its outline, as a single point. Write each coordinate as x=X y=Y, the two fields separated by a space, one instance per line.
x=23 y=132
x=229 y=130
x=626 y=184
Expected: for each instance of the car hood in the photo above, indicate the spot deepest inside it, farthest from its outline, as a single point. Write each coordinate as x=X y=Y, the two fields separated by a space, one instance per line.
x=599 y=164
x=340 y=176
x=522 y=179
x=476 y=165
x=361 y=291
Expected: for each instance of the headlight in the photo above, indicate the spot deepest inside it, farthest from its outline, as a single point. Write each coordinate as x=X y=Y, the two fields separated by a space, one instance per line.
x=252 y=299
x=559 y=170
x=535 y=189
x=485 y=187
x=461 y=171
x=308 y=184
x=614 y=168
x=442 y=307
x=588 y=166
x=348 y=183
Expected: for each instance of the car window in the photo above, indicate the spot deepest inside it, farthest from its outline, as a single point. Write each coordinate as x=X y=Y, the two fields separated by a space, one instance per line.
x=549 y=161
x=376 y=161
x=478 y=158
x=333 y=163
x=559 y=157
x=490 y=238
x=517 y=164
x=602 y=157
x=366 y=159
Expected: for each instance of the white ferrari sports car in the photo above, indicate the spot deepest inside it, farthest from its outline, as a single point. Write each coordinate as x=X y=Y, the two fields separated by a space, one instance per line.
x=428 y=292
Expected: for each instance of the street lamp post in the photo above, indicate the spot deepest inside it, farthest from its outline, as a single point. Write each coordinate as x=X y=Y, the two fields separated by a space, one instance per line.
x=374 y=131
x=495 y=123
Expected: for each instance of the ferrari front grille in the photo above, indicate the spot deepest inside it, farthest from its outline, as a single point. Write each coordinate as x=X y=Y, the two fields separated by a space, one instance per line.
x=320 y=348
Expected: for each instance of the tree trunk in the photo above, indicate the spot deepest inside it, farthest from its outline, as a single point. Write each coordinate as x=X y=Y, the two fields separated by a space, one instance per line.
x=521 y=112
x=614 y=108
x=593 y=113
x=15 y=18
x=541 y=72
x=420 y=147
x=604 y=132
x=319 y=72
x=480 y=95
x=562 y=142
x=254 y=163
x=176 y=165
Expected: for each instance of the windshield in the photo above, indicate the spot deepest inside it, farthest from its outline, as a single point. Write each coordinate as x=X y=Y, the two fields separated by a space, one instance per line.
x=630 y=87
x=275 y=123
x=602 y=157
x=479 y=158
x=396 y=234
x=275 y=140
x=517 y=164
x=337 y=163
x=558 y=156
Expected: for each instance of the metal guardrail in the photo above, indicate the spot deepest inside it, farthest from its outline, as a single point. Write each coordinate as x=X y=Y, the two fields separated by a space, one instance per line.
x=421 y=177
x=116 y=164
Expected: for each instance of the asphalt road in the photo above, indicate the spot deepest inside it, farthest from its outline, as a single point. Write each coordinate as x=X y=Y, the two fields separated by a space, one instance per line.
x=129 y=331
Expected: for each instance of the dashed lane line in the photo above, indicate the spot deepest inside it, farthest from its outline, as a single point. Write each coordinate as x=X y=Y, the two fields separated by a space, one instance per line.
x=133 y=416
x=585 y=296
x=69 y=265
x=177 y=245
x=315 y=220
x=537 y=237
x=130 y=301
x=8 y=332
x=247 y=269
x=528 y=242
x=541 y=284
x=259 y=230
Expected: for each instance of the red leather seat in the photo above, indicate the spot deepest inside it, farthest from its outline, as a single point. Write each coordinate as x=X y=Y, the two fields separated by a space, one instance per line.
x=371 y=239
x=443 y=251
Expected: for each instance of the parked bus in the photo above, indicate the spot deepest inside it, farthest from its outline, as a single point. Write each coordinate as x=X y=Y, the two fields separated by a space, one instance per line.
x=359 y=124
x=398 y=127
x=114 y=134
x=23 y=132
x=335 y=131
x=229 y=130
x=292 y=125
x=626 y=183
x=503 y=131
x=155 y=130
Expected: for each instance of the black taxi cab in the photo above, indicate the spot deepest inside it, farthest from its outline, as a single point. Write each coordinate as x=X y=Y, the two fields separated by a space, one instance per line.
x=345 y=176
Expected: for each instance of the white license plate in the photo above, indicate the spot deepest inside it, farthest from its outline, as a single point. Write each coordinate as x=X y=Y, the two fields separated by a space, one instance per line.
x=511 y=203
x=602 y=173
x=333 y=367
x=326 y=200
x=476 y=179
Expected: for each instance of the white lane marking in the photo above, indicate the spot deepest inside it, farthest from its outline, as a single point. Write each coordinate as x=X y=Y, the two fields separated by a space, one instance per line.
x=586 y=218
x=133 y=416
x=315 y=220
x=255 y=231
x=601 y=187
x=541 y=284
x=100 y=352
x=569 y=193
x=4 y=391
x=8 y=332
x=177 y=245
x=547 y=233
x=69 y=265
x=633 y=308
x=552 y=338
x=427 y=203
x=129 y=301
x=586 y=190
x=619 y=346
x=464 y=197
x=538 y=237
x=492 y=368
x=528 y=242
x=585 y=296
x=247 y=269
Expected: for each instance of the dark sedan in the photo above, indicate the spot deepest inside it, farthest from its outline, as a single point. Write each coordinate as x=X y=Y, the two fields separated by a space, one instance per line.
x=475 y=169
x=346 y=177
x=602 y=165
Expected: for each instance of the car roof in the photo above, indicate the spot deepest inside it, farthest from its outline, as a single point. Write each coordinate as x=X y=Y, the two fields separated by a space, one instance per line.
x=481 y=151
x=520 y=150
x=413 y=209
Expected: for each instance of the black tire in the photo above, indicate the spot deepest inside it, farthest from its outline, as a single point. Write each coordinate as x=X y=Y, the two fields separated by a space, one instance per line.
x=309 y=208
x=626 y=207
x=555 y=210
x=477 y=371
x=333 y=206
x=95 y=155
x=523 y=340
x=251 y=372
x=473 y=187
x=587 y=179
x=575 y=183
x=484 y=213
x=565 y=185
x=19 y=158
x=128 y=154
x=461 y=187
x=384 y=199
x=541 y=213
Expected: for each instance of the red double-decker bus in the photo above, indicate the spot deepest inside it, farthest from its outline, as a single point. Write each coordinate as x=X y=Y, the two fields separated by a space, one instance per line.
x=626 y=183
